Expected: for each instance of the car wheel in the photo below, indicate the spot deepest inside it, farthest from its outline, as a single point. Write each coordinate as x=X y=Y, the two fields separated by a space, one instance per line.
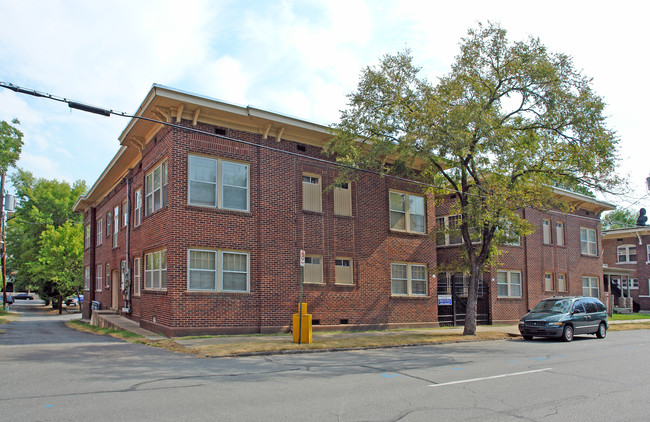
x=567 y=334
x=602 y=331
x=528 y=337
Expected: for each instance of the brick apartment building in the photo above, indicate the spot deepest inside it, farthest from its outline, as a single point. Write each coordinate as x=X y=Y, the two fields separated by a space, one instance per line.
x=626 y=255
x=195 y=227
x=214 y=227
x=562 y=257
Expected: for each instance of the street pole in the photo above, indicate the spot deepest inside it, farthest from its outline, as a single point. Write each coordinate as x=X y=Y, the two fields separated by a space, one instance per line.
x=2 y=233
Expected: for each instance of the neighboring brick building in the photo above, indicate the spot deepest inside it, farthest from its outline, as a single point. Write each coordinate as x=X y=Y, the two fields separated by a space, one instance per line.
x=626 y=254
x=212 y=237
x=562 y=257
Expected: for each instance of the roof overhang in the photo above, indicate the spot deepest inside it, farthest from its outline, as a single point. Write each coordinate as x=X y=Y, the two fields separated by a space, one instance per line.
x=584 y=202
x=164 y=105
x=634 y=232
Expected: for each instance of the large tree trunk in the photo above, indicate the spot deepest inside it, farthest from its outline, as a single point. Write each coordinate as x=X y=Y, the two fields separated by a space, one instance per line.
x=472 y=299
x=60 y=304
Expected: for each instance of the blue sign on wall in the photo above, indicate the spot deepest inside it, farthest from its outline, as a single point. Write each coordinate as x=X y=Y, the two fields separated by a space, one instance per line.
x=444 y=299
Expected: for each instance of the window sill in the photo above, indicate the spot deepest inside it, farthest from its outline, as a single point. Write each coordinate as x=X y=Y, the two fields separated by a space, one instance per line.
x=313 y=212
x=420 y=297
x=344 y=284
x=155 y=291
x=584 y=255
x=215 y=210
x=308 y=283
x=345 y=217
x=214 y=293
x=625 y=263
x=509 y=298
x=394 y=231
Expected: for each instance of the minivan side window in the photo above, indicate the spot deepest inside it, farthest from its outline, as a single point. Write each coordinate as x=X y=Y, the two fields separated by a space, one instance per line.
x=590 y=306
x=578 y=308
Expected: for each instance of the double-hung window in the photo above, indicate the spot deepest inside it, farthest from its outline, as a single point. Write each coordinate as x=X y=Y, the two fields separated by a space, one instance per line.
x=155 y=270
x=136 y=276
x=626 y=254
x=218 y=183
x=156 y=189
x=108 y=276
x=314 y=269
x=342 y=200
x=343 y=271
x=408 y=279
x=561 y=283
x=122 y=274
x=125 y=214
x=588 y=241
x=559 y=233
x=647 y=254
x=221 y=271
x=590 y=286
x=98 y=278
x=407 y=212
x=546 y=231
x=87 y=237
x=548 y=282
x=137 y=209
x=86 y=278
x=448 y=230
x=311 y=193
x=100 y=229
x=508 y=284
x=116 y=224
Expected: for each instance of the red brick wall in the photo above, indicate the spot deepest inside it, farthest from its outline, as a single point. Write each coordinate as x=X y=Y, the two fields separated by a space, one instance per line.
x=641 y=270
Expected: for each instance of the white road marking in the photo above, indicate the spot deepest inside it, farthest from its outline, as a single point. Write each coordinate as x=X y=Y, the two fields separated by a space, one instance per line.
x=489 y=378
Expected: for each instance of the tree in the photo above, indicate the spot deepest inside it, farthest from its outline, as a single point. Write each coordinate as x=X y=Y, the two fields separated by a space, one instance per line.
x=618 y=219
x=42 y=202
x=60 y=259
x=510 y=121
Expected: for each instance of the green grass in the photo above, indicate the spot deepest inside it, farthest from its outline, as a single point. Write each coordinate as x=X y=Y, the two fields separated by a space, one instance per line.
x=626 y=317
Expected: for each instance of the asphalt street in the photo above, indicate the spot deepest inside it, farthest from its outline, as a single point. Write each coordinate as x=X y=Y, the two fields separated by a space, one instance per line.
x=52 y=373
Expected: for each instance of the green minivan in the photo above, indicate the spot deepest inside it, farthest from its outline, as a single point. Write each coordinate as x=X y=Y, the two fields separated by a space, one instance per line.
x=564 y=317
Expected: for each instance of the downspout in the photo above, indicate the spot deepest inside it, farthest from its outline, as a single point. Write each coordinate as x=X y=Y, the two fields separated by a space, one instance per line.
x=526 y=266
x=127 y=277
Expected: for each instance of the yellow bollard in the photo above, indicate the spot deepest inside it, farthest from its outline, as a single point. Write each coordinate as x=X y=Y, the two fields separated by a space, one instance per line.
x=306 y=326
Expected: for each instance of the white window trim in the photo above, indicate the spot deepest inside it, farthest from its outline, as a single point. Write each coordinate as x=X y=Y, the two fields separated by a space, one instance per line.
x=647 y=254
x=125 y=214
x=407 y=213
x=87 y=277
x=623 y=284
x=218 y=270
x=108 y=276
x=627 y=254
x=137 y=211
x=591 y=278
x=87 y=236
x=100 y=232
x=552 y=282
x=163 y=186
x=218 y=185
x=116 y=224
x=137 y=278
x=510 y=284
x=445 y=219
x=566 y=285
x=99 y=279
x=122 y=274
x=409 y=280
x=320 y=257
x=546 y=232
x=155 y=270
x=559 y=234
x=351 y=270
x=588 y=242
x=319 y=182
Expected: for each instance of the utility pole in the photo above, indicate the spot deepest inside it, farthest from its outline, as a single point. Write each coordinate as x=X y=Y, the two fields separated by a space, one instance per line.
x=2 y=245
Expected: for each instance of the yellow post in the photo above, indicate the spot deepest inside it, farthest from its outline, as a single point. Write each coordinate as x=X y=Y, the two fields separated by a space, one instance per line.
x=305 y=325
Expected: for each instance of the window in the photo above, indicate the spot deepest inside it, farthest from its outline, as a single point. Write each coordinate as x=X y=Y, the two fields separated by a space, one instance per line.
x=125 y=214
x=98 y=278
x=116 y=224
x=590 y=286
x=548 y=282
x=155 y=270
x=559 y=233
x=156 y=189
x=122 y=274
x=311 y=193
x=313 y=269
x=343 y=271
x=407 y=212
x=342 y=200
x=86 y=278
x=647 y=254
x=108 y=224
x=546 y=231
x=100 y=234
x=218 y=183
x=508 y=284
x=561 y=282
x=626 y=254
x=136 y=276
x=137 y=210
x=108 y=276
x=588 y=241
x=633 y=282
x=408 y=279
x=86 y=237
x=448 y=230
x=217 y=271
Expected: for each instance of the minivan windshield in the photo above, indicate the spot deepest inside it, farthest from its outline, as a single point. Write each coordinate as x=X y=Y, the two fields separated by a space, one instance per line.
x=558 y=306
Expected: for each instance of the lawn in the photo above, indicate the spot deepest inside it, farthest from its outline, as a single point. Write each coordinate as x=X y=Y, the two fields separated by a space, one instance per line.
x=626 y=317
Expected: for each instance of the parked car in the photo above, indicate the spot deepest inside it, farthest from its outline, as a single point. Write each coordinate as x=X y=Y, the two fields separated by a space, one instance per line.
x=73 y=300
x=23 y=296
x=564 y=317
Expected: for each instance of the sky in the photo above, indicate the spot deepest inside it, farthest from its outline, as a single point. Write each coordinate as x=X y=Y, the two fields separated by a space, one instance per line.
x=299 y=58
